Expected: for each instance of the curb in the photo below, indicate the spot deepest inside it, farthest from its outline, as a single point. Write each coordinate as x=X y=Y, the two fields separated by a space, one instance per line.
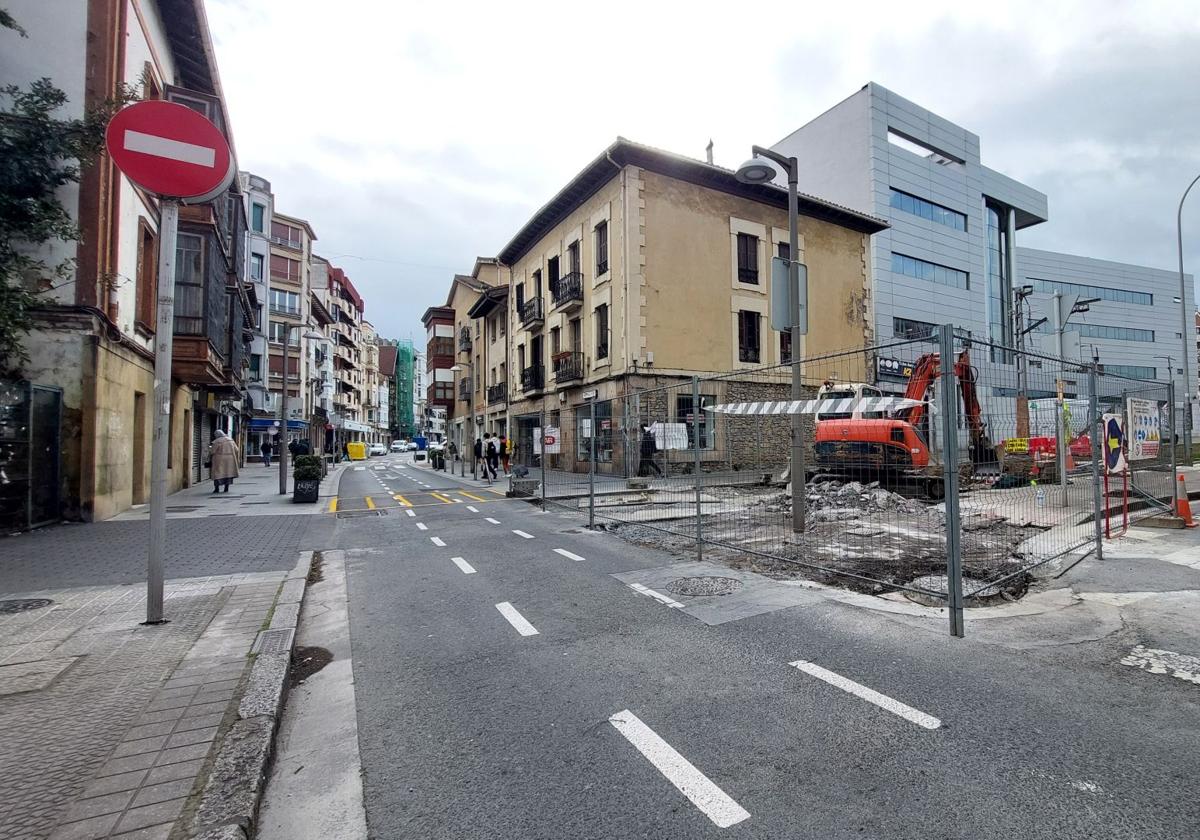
x=229 y=804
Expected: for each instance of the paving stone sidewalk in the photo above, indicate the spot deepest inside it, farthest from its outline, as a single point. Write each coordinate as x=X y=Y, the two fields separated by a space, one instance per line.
x=106 y=724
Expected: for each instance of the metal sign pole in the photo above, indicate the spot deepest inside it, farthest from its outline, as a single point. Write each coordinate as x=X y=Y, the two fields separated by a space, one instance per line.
x=283 y=388
x=947 y=396
x=542 y=453
x=168 y=227
x=592 y=466
x=1098 y=466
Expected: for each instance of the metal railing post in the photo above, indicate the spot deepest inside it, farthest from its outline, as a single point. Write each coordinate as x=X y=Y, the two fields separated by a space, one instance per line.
x=542 y=455
x=1171 y=438
x=696 y=409
x=1097 y=436
x=948 y=397
x=592 y=464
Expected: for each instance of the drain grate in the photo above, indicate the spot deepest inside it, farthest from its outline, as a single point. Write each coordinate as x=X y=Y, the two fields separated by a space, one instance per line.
x=272 y=641
x=20 y=605
x=358 y=514
x=704 y=585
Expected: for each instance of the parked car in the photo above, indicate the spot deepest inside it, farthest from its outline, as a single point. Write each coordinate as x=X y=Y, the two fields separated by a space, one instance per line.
x=399 y=446
x=378 y=449
x=412 y=446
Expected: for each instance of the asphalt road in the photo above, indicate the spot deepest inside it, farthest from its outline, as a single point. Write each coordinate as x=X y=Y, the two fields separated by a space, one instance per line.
x=624 y=718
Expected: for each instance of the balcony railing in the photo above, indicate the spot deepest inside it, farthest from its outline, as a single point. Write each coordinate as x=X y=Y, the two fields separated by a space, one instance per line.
x=464 y=389
x=287 y=243
x=497 y=393
x=568 y=366
x=533 y=378
x=568 y=291
x=532 y=313
x=464 y=340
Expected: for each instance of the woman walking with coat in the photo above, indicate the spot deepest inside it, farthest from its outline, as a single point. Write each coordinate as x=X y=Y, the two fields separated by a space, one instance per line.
x=223 y=458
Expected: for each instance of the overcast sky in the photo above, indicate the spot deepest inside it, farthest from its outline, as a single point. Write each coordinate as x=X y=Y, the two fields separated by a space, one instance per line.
x=417 y=136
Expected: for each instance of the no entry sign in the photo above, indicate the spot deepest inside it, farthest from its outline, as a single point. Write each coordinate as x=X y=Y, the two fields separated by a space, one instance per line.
x=170 y=149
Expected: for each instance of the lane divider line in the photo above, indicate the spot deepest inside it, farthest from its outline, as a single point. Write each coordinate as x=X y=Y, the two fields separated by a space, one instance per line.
x=457 y=501
x=402 y=500
x=567 y=554
x=522 y=534
x=870 y=695
x=411 y=512
x=438 y=542
x=467 y=568
x=657 y=596
x=439 y=496
x=472 y=508
x=472 y=496
x=421 y=526
x=516 y=619
x=493 y=521
x=370 y=503
x=713 y=802
x=497 y=492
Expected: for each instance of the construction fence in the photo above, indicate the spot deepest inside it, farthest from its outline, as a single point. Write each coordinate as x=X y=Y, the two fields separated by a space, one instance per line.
x=951 y=482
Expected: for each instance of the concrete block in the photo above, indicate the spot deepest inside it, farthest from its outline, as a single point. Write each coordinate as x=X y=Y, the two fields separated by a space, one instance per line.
x=265 y=689
x=238 y=776
x=223 y=832
x=292 y=591
x=286 y=616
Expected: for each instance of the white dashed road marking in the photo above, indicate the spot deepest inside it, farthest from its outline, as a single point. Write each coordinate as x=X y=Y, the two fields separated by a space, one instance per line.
x=411 y=512
x=472 y=508
x=493 y=521
x=437 y=541
x=567 y=554
x=523 y=534
x=516 y=619
x=1178 y=665
x=717 y=805
x=467 y=568
x=657 y=596
x=421 y=526
x=870 y=695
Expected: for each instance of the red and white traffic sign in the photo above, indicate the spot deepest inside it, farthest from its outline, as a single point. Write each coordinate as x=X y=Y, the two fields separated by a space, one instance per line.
x=169 y=149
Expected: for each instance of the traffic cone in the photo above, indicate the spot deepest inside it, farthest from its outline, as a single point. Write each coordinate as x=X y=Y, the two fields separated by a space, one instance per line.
x=1183 y=508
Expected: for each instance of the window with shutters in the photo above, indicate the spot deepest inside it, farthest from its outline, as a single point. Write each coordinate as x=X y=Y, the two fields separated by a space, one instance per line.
x=749 y=335
x=747 y=258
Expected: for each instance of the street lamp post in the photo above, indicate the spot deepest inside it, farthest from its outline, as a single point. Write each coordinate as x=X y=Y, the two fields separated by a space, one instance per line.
x=1078 y=306
x=457 y=368
x=1187 y=331
x=755 y=171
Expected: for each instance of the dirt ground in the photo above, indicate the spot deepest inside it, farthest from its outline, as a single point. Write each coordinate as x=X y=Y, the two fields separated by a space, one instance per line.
x=861 y=537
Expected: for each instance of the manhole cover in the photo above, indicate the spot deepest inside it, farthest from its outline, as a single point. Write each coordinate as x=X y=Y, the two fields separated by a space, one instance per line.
x=20 y=605
x=705 y=585
x=358 y=514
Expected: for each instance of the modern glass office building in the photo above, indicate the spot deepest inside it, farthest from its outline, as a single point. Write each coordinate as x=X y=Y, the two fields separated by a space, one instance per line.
x=952 y=252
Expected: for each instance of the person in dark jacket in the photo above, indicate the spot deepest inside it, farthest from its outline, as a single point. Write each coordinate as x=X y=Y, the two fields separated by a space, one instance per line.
x=267 y=450
x=478 y=452
x=491 y=454
x=647 y=453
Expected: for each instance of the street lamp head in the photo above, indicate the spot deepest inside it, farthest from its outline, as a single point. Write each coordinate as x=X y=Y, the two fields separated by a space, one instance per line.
x=456 y=368
x=755 y=171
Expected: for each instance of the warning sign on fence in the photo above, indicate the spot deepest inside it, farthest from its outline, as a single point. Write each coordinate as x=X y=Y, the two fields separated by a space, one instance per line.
x=1143 y=429
x=1015 y=446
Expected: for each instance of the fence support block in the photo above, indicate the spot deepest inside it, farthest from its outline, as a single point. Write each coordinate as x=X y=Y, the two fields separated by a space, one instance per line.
x=1097 y=436
x=948 y=397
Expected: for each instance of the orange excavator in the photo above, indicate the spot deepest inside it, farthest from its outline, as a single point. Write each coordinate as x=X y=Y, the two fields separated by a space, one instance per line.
x=894 y=448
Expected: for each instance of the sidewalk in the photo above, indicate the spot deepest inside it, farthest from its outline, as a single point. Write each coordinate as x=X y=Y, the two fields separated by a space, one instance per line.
x=110 y=725
x=255 y=492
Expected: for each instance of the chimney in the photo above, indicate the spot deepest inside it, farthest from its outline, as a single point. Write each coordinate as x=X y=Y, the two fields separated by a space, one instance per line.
x=709 y=150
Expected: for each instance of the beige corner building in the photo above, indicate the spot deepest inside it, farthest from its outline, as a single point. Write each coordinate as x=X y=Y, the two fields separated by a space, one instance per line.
x=648 y=268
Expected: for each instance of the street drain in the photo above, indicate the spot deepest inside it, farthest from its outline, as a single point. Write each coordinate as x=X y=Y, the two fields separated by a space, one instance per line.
x=20 y=605
x=696 y=587
x=358 y=514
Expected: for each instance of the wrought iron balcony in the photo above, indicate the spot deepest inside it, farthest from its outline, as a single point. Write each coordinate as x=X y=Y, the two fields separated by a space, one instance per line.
x=497 y=393
x=568 y=366
x=464 y=389
x=464 y=340
x=533 y=378
x=532 y=313
x=568 y=291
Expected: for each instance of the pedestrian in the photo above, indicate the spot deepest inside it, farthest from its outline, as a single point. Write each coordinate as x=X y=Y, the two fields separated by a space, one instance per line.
x=292 y=447
x=267 y=450
x=506 y=451
x=491 y=453
x=478 y=452
x=647 y=452
x=222 y=459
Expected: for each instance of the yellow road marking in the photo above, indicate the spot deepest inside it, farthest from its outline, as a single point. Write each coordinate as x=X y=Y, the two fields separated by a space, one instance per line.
x=471 y=496
x=402 y=500
x=333 y=505
x=497 y=492
x=445 y=499
x=370 y=503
